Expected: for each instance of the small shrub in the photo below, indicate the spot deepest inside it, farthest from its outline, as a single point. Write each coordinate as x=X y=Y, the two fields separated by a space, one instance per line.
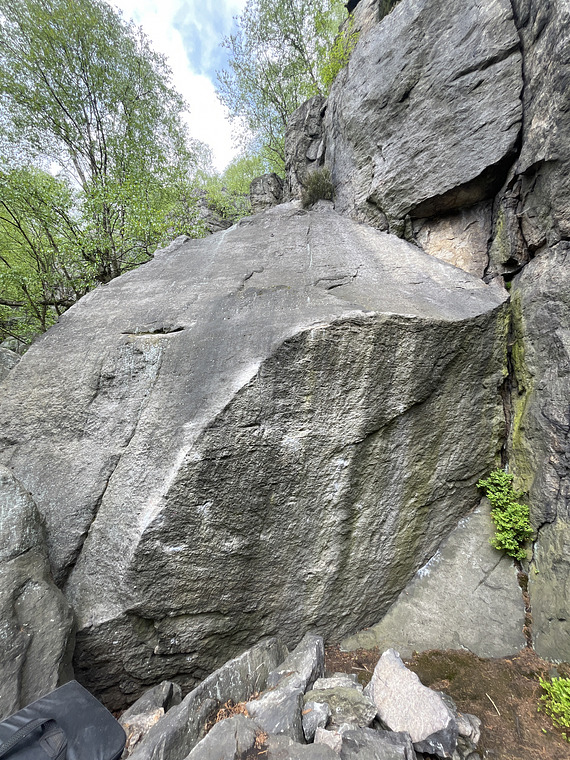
x=318 y=187
x=557 y=701
x=511 y=518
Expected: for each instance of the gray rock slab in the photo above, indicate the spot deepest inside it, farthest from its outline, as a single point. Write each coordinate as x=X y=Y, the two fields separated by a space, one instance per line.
x=176 y=735
x=426 y=116
x=243 y=423
x=332 y=739
x=370 y=744
x=303 y=666
x=36 y=622
x=338 y=679
x=284 y=748
x=148 y=710
x=466 y=597
x=227 y=740
x=405 y=704
x=8 y=360
x=278 y=711
x=164 y=695
x=347 y=705
x=314 y=715
x=539 y=446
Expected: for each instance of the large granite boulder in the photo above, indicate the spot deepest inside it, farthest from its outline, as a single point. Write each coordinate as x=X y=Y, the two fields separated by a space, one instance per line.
x=426 y=116
x=271 y=428
x=539 y=447
x=466 y=597
x=36 y=622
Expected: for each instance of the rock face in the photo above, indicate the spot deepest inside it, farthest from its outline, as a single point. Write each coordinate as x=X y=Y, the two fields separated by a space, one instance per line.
x=460 y=238
x=243 y=424
x=540 y=450
x=542 y=172
x=426 y=116
x=36 y=623
x=265 y=191
x=8 y=360
x=304 y=145
x=466 y=597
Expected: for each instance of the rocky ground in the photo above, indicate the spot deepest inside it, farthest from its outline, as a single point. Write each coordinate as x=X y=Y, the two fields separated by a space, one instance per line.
x=504 y=693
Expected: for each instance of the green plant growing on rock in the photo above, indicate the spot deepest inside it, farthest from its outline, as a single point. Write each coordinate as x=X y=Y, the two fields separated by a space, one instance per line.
x=511 y=518
x=318 y=187
x=557 y=701
x=338 y=55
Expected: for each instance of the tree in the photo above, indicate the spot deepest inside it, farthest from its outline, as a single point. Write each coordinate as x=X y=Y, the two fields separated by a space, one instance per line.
x=43 y=267
x=275 y=64
x=83 y=90
x=83 y=94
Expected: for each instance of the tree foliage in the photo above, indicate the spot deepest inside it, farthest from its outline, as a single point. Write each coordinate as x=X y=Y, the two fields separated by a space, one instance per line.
x=83 y=93
x=43 y=269
x=275 y=64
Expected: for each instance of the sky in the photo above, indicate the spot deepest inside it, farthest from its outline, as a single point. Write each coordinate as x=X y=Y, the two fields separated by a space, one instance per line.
x=189 y=33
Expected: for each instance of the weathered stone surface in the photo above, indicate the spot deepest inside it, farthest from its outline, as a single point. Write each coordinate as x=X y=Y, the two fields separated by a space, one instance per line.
x=283 y=748
x=242 y=424
x=315 y=715
x=461 y=238
x=8 y=360
x=304 y=145
x=137 y=727
x=338 y=679
x=543 y=167
x=405 y=704
x=148 y=710
x=279 y=712
x=265 y=191
x=533 y=210
x=540 y=452
x=466 y=597
x=174 y=737
x=426 y=116
x=468 y=731
x=36 y=622
x=165 y=695
x=369 y=744
x=227 y=740
x=332 y=739
x=347 y=705
x=305 y=664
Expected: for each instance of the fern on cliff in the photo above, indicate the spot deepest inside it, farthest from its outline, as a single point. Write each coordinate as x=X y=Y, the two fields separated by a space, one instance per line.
x=511 y=518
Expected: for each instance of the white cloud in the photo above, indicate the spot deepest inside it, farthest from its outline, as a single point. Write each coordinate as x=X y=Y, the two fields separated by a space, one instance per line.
x=207 y=120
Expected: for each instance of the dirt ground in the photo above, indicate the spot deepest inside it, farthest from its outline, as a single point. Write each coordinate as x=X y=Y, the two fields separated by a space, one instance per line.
x=504 y=693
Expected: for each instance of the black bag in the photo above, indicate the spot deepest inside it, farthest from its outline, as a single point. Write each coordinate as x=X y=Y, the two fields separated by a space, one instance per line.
x=68 y=724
